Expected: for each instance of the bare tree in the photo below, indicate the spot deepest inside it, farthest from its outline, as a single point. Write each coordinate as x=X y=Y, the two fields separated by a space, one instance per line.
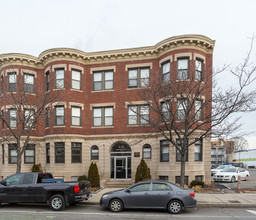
x=186 y=109
x=240 y=144
x=23 y=112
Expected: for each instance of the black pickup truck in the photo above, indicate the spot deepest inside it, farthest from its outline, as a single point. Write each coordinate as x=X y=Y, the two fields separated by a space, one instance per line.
x=42 y=188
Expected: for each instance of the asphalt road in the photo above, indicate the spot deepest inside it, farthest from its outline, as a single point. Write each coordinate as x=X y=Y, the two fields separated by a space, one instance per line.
x=245 y=184
x=94 y=212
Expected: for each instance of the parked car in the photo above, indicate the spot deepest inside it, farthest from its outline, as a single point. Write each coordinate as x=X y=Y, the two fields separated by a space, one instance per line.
x=219 y=168
x=42 y=187
x=231 y=174
x=150 y=195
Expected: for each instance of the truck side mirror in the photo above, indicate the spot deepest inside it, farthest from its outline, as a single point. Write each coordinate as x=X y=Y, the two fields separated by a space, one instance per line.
x=3 y=182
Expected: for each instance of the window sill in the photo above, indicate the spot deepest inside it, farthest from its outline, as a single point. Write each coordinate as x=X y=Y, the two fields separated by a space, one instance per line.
x=182 y=80
x=76 y=90
x=104 y=90
x=73 y=126
x=28 y=93
x=102 y=127
x=59 y=89
x=59 y=126
x=134 y=88
x=143 y=125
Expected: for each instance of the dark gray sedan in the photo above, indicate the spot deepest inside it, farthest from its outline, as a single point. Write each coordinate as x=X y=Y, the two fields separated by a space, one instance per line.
x=150 y=195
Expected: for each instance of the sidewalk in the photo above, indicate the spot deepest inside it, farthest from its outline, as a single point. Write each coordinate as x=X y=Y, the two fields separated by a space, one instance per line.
x=220 y=200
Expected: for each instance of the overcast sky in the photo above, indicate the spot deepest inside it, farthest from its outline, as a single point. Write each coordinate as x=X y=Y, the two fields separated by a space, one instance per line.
x=32 y=26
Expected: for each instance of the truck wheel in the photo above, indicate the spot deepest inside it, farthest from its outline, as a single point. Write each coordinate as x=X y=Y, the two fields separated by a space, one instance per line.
x=57 y=202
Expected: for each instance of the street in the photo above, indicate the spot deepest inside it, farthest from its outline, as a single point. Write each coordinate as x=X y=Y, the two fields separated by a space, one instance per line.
x=95 y=212
x=244 y=184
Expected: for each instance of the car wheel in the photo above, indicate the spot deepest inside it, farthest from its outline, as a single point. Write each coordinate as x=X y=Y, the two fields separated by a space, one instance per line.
x=116 y=205
x=57 y=202
x=233 y=179
x=175 y=207
x=246 y=177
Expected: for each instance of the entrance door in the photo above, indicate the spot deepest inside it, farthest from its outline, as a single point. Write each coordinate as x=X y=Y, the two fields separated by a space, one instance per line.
x=121 y=168
x=120 y=161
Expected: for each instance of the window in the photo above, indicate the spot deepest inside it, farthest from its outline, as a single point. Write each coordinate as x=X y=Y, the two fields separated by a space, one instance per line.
x=140 y=187
x=47 y=117
x=59 y=78
x=29 y=118
x=3 y=153
x=138 y=115
x=47 y=145
x=2 y=83
x=146 y=151
x=183 y=68
x=198 y=110
x=199 y=178
x=2 y=116
x=181 y=109
x=14 y=179
x=103 y=116
x=199 y=69
x=165 y=111
x=161 y=187
x=13 y=118
x=27 y=178
x=94 y=152
x=59 y=115
x=29 y=154
x=180 y=146
x=76 y=152
x=198 y=150
x=75 y=116
x=76 y=79
x=47 y=81
x=59 y=152
x=12 y=82
x=13 y=156
x=29 y=83
x=177 y=180
x=166 y=68
x=103 y=80
x=164 y=178
x=164 y=151
x=138 y=77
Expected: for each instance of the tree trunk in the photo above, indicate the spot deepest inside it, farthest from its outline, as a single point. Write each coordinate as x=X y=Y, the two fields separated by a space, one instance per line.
x=19 y=155
x=182 y=170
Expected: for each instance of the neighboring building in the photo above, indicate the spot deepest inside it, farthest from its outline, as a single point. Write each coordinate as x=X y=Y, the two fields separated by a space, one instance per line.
x=222 y=152
x=93 y=122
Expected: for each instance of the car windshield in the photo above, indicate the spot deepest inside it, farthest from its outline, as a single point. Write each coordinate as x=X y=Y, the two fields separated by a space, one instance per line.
x=229 y=170
x=220 y=167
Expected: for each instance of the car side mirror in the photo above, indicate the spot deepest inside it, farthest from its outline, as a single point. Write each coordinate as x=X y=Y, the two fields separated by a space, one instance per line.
x=128 y=190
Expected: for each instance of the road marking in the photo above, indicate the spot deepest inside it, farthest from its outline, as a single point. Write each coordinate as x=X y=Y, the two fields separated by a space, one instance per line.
x=51 y=214
x=251 y=211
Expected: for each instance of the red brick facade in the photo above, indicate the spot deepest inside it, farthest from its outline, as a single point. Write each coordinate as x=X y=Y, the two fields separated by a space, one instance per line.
x=193 y=46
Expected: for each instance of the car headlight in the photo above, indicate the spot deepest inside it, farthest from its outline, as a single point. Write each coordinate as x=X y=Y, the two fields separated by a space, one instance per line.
x=105 y=196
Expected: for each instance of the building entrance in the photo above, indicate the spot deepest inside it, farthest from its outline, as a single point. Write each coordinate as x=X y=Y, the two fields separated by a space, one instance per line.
x=120 y=164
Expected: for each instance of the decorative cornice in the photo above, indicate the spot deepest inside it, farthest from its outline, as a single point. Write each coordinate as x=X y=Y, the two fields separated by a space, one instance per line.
x=198 y=42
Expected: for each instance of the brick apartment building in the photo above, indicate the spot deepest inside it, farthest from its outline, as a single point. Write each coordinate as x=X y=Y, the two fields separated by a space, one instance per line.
x=222 y=151
x=92 y=122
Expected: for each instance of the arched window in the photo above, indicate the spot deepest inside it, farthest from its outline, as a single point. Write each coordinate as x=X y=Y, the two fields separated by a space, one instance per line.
x=94 y=152
x=146 y=151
